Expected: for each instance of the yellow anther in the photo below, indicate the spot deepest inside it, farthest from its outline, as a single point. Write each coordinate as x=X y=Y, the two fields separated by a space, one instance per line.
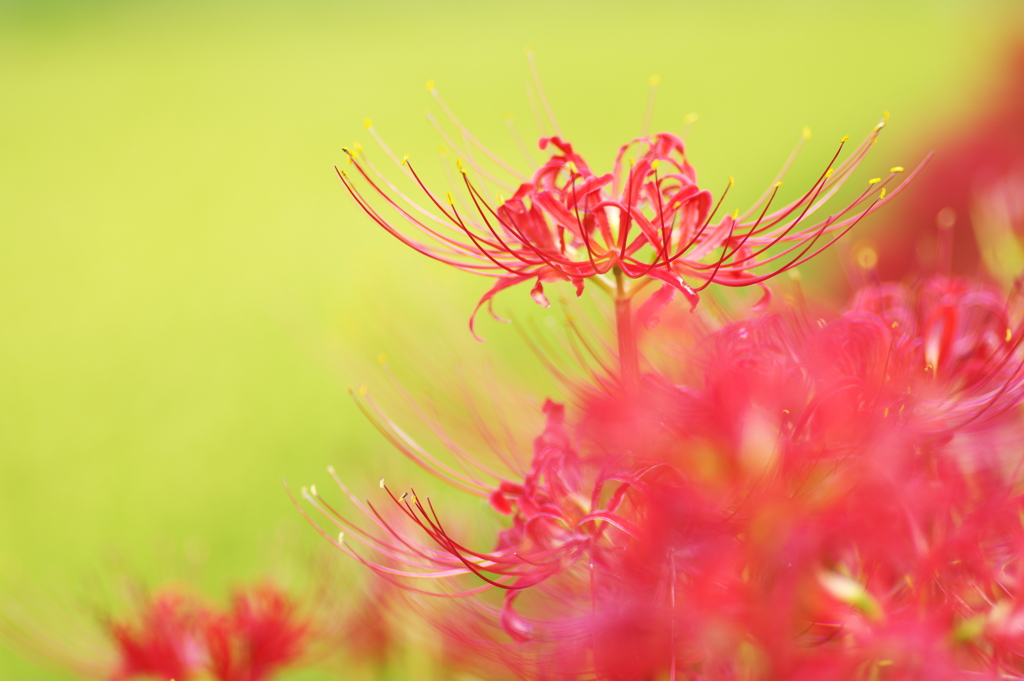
x=506 y=116
x=501 y=199
x=885 y=116
x=358 y=147
x=690 y=119
x=572 y=168
x=896 y=169
x=312 y=490
x=368 y=123
x=884 y=663
x=362 y=390
x=736 y=214
x=430 y=86
x=731 y=182
x=405 y=159
x=807 y=133
x=347 y=150
x=1009 y=335
x=404 y=496
x=777 y=184
x=874 y=180
x=382 y=359
x=382 y=483
x=330 y=469
x=341 y=537
x=881 y=194
x=654 y=164
x=529 y=49
x=305 y=492
x=895 y=325
x=794 y=274
x=451 y=201
x=458 y=163
x=441 y=150
x=828 y=173
x=343 y=173
x=929 y=367
x=654 y=80
x=845 y=140
x=786 y=412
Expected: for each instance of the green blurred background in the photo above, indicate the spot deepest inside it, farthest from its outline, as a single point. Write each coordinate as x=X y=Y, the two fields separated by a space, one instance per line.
x=186 y=290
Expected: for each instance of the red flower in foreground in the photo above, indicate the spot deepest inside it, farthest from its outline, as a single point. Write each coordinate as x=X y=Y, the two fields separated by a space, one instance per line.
x=646 y=219
x=163 y=641
x=832 y=500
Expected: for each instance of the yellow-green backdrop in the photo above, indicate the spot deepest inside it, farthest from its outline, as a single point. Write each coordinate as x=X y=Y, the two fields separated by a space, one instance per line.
x=186 y=290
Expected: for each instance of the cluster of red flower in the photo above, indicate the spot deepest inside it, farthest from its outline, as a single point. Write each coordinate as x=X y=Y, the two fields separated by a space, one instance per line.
x=176 y=636
x=772 y=497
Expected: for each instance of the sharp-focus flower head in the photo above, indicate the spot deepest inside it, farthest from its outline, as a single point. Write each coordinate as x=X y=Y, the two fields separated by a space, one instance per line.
x=645 y=219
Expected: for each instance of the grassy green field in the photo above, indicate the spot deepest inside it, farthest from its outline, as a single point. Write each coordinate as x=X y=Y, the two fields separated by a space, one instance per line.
x=186 y=290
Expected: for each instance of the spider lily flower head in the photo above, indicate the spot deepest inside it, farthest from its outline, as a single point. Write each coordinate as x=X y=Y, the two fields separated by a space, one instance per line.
x=646 y=220
x=962 y=360
x=174 y=634
x=261 y=634
x=163 y=640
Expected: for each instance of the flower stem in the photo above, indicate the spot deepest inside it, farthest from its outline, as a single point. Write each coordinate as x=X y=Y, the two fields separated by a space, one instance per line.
x=629 y=359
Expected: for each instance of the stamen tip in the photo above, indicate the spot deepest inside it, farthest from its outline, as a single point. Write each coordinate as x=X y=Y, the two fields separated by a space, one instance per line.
x=362 y=390
x=807 y=133
x=874 y=180
x=896 y=169
x=731 y=182
x=382 y=359
x=690 y=119
x=845 y=139
x=330 y=470
x=405 y=159
x=451 y=201
x=430 y=86
x=382 y=483
x=654 y=80
x=881 y=194
x=341 y=537
x=312 y=490
x=368 y=123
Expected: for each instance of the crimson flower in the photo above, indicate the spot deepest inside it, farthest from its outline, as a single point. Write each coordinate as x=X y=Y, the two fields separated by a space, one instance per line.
x=645 y=220
x=164 y=639
x=261 y=634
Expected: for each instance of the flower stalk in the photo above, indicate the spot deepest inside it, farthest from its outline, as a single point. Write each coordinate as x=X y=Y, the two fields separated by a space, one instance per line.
x=629 y=355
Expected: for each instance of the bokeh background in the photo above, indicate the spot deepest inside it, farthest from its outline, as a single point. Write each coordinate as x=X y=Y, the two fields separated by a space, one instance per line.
x=186 y=290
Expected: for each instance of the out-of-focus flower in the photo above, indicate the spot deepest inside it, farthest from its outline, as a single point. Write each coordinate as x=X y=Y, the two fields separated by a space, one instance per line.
x=261 y=634
x=819 y=500
x=163 y=639
x=975 y=182
x=173 y=634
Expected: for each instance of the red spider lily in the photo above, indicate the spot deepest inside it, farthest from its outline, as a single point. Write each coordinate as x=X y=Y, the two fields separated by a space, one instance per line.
x=646 y=220
x=262 y=633
x=831 y=500
x=164 y=641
